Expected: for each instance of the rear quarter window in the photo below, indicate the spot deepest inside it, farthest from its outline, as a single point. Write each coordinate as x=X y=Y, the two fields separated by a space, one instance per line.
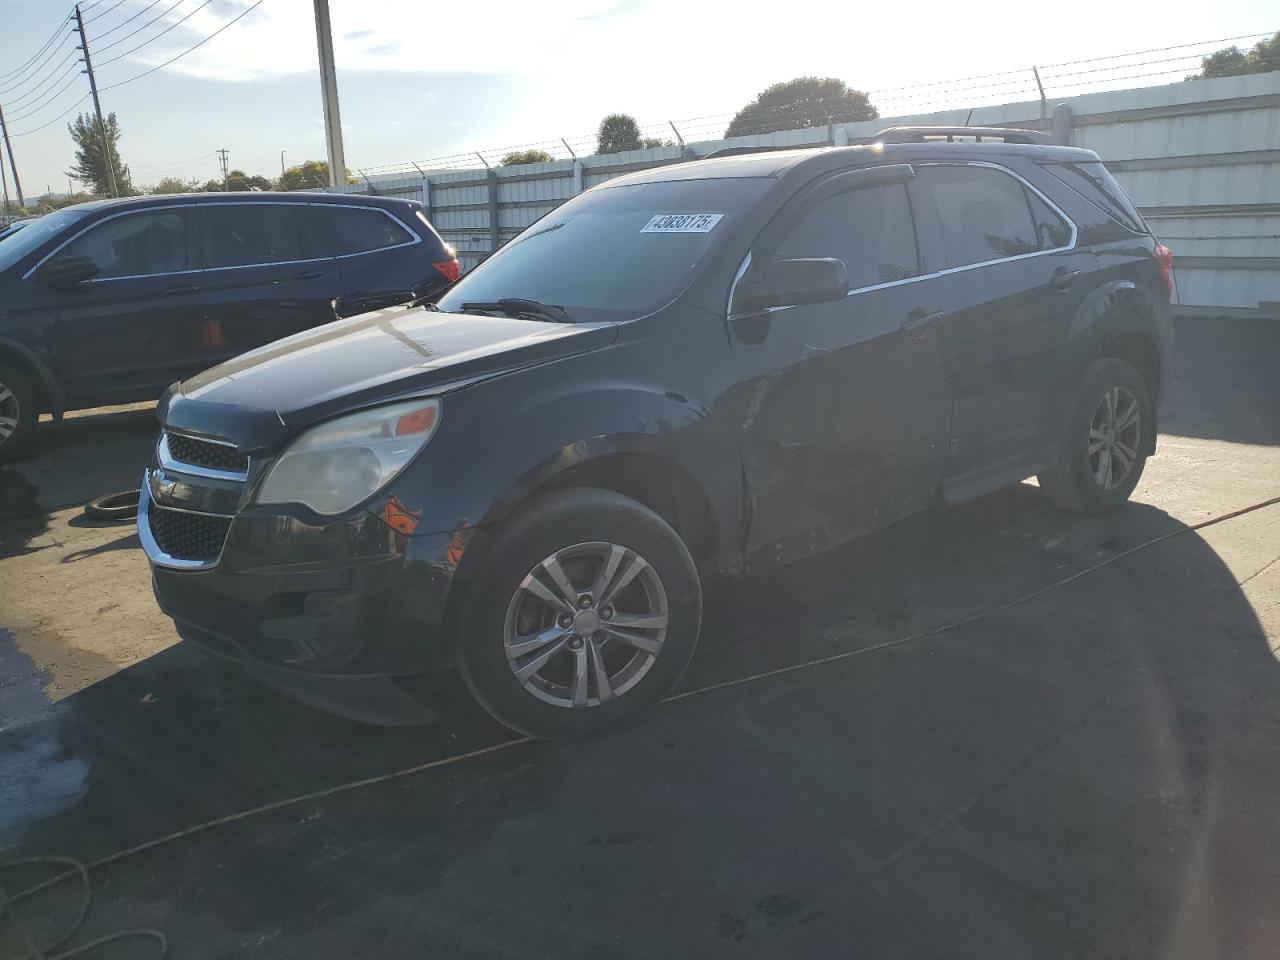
x=1094 y=182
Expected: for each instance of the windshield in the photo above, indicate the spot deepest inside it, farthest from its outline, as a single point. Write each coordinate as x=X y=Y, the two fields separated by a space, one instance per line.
x=614 y=253
x=35 y=234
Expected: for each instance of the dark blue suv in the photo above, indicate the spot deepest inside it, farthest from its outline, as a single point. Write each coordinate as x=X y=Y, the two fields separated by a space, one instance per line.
x=112 y=301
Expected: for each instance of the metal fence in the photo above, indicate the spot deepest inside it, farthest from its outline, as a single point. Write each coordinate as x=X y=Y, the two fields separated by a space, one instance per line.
x=1200 y=158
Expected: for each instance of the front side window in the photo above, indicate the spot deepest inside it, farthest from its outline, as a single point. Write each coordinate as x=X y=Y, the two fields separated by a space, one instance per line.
x=135 y=244
x=31 y=236
x=982 y=214
x=244 y=234
x=869 y=229
x=360 y=231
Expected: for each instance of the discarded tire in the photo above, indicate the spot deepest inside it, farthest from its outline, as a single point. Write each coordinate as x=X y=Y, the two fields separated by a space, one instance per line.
x=114 y=506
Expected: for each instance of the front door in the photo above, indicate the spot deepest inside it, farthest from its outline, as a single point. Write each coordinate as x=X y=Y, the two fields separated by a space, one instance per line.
x=849 y=407
x=131 y=331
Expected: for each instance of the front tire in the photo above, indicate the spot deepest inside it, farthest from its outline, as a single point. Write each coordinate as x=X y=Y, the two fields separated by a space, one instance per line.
x=585 y=617
x=18 y=413
x=1105 y=450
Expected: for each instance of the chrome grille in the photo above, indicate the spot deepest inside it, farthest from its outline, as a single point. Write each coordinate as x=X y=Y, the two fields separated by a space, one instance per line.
x=205 y=453
x=188 y=536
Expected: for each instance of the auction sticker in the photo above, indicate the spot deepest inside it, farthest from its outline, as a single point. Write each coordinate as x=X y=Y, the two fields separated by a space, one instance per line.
x=682 y=223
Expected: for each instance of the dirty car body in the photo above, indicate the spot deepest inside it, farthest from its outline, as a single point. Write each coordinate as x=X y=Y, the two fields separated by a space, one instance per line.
x=758 y=433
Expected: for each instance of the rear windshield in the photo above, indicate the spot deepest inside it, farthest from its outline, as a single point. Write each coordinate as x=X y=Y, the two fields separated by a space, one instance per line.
x=1094 y=182
x=35 y=234
x=617 y=252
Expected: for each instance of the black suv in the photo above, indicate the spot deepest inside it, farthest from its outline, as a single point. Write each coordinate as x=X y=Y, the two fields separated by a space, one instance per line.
x=700 y=369
x=111 y=301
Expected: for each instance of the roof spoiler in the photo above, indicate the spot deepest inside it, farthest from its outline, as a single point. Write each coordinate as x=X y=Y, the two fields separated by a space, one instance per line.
x=949 y=134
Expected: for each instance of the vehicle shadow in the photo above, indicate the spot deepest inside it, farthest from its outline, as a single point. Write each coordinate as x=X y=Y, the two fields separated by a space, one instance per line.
x=1087 y=772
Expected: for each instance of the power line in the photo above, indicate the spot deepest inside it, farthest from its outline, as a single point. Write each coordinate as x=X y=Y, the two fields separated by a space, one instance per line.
x=44 y=84
x=176 y=23
x=144 y=73
x=57 y=30
x=124 y=23
x=104 y=12
x=159 y=16
x=75 y=75
x=34 y=67
x=248 y=10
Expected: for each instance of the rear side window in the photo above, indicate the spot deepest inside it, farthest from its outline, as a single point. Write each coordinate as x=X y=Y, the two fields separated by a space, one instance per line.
x=358 y=231
x=869 y=229
x=134 y=245
x=241 y=235
x=982 y=214
x=1094 y=182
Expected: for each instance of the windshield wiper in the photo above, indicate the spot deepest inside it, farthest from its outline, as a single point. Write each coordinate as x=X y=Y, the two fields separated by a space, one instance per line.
x=519 y=307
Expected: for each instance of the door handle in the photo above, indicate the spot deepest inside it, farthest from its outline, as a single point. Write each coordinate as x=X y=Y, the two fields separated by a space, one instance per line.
x=308 y=275
x=179 y=290
x=1062 y=278
x=919 y=322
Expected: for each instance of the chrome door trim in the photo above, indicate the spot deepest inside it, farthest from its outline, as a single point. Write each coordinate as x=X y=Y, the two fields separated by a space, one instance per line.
x=1071 y=245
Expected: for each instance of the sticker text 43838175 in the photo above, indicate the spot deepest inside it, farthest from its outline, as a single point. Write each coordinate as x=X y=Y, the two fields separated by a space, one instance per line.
x=682 y=223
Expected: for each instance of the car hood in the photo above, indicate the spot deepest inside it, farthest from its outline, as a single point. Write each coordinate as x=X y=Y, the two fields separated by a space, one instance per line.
x=258 y=399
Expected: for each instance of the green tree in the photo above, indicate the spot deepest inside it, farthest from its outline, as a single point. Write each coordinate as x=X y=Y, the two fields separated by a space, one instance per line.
x=91 y=160
x=647 y=142
x=525 y=156
x=1234 y=62
x=802 y=102
x=239 y=180
x=618 y=132
x=174 y=185
x=308 y=176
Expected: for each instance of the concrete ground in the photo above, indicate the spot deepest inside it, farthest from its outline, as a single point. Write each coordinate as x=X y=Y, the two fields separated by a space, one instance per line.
x=999 y=731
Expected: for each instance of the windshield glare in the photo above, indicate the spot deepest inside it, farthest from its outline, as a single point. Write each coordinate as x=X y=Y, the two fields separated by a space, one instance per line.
x=614 y=253
x=35 y=234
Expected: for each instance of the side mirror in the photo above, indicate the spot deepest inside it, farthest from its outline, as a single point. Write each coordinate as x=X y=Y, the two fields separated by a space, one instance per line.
x=68 y=271
x=786 y=283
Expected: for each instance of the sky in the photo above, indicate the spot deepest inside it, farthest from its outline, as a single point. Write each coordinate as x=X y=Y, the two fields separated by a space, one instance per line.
x=423 y=82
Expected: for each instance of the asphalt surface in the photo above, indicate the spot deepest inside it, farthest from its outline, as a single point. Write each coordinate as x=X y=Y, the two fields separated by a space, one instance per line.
x=998 y=731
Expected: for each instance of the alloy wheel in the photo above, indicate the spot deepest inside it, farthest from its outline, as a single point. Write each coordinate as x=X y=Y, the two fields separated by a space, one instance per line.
x=586 y=624
x=1115 y=435
x=10 y=412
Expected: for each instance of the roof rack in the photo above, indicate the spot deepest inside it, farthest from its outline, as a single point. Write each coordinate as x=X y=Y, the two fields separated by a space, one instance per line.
x=950 y=134
x=773 y=148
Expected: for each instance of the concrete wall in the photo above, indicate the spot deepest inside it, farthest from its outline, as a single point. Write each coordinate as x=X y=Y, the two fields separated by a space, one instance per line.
x=1201 y=159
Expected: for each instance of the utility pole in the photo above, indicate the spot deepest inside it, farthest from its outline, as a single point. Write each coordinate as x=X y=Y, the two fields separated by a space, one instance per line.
x=329 y=90
x=97 y=106
x=281 y=164
x=222 y=162
x=17 y=184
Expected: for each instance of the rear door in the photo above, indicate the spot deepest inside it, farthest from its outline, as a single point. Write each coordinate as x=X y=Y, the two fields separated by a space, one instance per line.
x=132 y=330
x=382 y=258
x=851 y=408
x=1009 y=281
x=266 y=277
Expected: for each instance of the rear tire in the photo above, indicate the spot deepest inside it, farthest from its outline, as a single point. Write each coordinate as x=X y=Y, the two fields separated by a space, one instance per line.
x=585 y=617
x=19 y=410
x=1104 y=453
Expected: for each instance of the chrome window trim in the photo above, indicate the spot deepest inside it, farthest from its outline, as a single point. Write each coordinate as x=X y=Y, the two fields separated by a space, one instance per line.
x=228 y=203
x=170 y=463
x=149 y=545
x=1071 y=245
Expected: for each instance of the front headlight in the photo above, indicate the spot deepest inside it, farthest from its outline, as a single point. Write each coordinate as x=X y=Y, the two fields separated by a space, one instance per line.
x=334 y=466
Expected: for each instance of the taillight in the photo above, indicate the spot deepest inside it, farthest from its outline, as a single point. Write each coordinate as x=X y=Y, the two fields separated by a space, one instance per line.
x=449 y=268
x=1164 y=257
